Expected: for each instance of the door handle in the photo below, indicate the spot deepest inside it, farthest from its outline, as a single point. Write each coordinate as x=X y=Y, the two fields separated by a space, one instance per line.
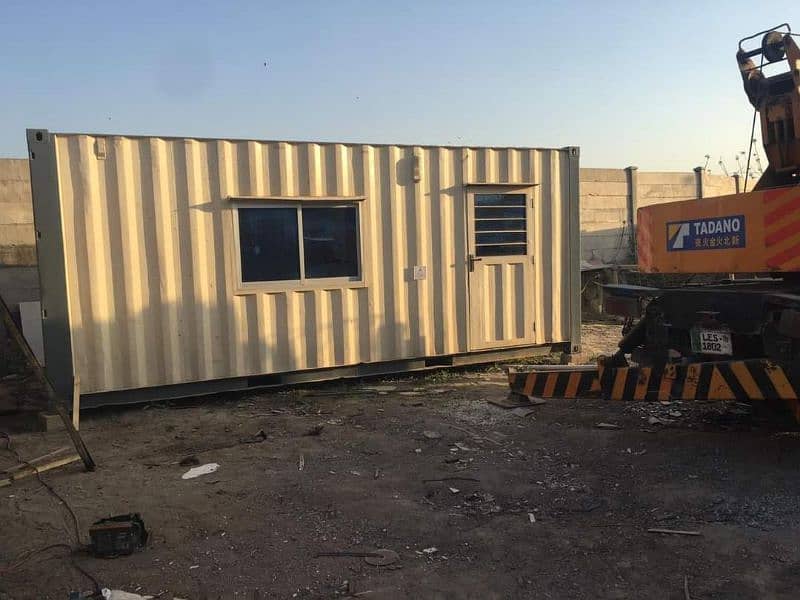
x=471 y=260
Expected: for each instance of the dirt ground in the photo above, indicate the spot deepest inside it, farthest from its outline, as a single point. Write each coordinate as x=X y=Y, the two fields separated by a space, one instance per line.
x=478 y=501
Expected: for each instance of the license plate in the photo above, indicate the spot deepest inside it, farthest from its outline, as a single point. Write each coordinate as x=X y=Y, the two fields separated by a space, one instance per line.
x=711 y=341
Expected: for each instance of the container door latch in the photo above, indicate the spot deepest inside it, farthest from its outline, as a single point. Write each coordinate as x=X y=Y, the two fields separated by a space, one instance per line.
x=471 y=260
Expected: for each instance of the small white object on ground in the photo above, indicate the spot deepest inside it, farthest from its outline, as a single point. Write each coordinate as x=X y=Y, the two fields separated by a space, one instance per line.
x=431 y=550
x=432 y=435
x=120 y=595
x=201 y=470
x=673 y=531
x=454 y=490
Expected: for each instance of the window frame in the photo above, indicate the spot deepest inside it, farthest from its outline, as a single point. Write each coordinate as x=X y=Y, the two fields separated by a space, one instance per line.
x=475 y=207
x=245 y=287
x=533 y=199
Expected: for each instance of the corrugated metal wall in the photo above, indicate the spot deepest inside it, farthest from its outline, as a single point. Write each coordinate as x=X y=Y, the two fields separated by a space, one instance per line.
x=151 y=260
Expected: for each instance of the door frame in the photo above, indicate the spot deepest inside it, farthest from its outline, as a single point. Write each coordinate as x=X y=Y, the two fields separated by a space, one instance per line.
x=470 y=189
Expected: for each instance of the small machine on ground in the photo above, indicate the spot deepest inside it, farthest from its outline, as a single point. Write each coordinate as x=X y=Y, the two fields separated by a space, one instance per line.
x=731 y=329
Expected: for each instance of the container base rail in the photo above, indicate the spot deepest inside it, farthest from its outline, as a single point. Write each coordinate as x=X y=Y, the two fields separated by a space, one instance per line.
x=735 y=380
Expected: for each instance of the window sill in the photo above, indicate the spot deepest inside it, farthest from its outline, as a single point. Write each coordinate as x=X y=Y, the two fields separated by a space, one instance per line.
x=255 y=200
x=296 y=286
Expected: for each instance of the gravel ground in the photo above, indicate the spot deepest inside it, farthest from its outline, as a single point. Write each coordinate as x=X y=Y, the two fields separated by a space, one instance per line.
x=478 y=501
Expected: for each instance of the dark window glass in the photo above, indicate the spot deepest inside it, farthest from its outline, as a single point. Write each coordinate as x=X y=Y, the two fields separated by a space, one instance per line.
x=499 y=199
x=330 y=241
x=500 y=225
x=268 y=244
x=508 y=237
x=500 y=212
x=505 y=250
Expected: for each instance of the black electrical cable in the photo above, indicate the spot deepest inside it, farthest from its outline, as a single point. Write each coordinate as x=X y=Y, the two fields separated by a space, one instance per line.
x=98 y=589
x=25 y=557
x=10 y=447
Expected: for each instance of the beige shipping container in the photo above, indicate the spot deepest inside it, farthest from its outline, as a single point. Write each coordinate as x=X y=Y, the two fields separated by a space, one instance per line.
x=178 y=266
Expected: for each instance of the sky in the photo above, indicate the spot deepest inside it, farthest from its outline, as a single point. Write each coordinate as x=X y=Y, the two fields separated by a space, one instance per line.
x=651 y=84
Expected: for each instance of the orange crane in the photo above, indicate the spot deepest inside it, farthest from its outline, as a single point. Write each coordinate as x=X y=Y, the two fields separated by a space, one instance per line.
x=735 y=337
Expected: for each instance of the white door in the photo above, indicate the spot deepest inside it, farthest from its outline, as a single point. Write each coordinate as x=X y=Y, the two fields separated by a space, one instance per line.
x=500 y=266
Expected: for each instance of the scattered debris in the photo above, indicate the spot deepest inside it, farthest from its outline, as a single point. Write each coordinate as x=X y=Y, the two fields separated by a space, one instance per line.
x=201 y=470
x=512 y=401
x=382 y=558
x=378 y=558
x=480 y=497
x=475 y=435
x=334 y=393
x=432 y=435
x=531 y=517
x=651 y=420
x=121 y=595
x=117 y=536
x=523 y=412
x=51 y=460
x=431 y=550
x=675 y=413
x=379 y=388
x=607 y=426
x=315 y=430
x=259 y=437
x=673 y=531
x=450 y=479
x=301 y=463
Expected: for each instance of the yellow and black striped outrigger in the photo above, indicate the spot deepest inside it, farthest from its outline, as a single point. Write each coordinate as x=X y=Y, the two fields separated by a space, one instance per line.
x=740 y=380
x=551 y=381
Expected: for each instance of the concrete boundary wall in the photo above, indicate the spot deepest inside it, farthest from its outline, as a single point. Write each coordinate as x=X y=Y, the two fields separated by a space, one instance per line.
x=610 y=198
x=17 y=240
